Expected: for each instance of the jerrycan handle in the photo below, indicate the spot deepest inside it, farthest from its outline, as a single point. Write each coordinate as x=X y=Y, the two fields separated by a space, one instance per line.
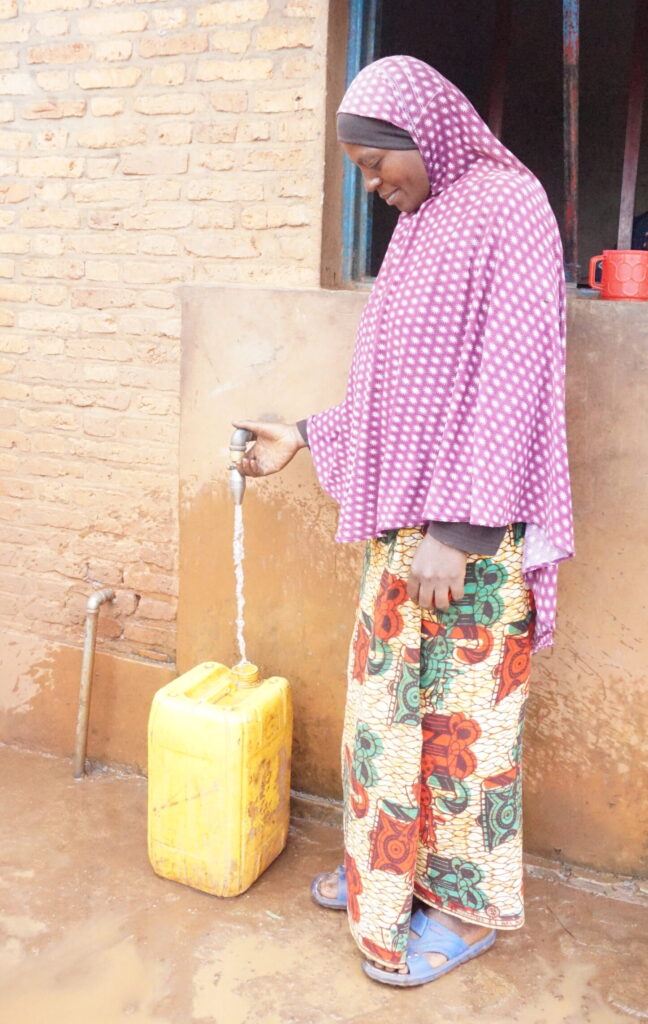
x=213 y=687
x=593 y=283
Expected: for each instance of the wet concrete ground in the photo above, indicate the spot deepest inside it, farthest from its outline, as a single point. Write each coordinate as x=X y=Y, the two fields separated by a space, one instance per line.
x=90 y=935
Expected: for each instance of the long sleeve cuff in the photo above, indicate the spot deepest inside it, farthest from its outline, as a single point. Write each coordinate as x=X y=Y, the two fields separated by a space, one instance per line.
x=476 y=540
x=303 y=429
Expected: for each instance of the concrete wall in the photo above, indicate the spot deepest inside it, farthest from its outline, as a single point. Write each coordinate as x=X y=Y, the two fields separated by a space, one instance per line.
x=260 y=353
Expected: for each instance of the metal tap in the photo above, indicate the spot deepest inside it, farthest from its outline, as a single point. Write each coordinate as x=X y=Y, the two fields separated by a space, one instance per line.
x=239 y=441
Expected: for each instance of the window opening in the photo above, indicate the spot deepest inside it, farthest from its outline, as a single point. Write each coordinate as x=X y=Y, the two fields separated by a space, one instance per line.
x=539 y=74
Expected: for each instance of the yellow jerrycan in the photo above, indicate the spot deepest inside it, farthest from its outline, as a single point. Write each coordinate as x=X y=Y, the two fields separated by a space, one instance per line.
x=219 y=743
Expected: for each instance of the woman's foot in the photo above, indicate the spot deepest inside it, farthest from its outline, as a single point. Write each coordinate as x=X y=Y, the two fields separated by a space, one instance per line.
x=470 y=933
x=466 y=930
x=328 y=885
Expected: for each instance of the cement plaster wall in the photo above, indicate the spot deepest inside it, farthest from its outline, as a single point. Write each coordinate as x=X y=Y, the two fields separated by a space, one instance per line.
x=271 y=353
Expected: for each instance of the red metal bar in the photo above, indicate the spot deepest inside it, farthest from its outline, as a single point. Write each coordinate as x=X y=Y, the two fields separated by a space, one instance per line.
x=636 y=96
x=501 y=45
x=571 y=53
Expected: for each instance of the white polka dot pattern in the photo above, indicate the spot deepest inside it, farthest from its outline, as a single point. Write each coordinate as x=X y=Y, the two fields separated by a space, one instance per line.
x=454 y=408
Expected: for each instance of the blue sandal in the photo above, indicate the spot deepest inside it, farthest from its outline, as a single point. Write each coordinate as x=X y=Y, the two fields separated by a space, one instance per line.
x=338 y=902
x=433 y=937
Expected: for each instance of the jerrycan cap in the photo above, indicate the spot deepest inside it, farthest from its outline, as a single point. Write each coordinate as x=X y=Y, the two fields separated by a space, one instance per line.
x=246 y=674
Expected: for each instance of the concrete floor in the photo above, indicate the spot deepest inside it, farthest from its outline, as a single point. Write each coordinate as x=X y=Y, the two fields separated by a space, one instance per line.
x=89 y=935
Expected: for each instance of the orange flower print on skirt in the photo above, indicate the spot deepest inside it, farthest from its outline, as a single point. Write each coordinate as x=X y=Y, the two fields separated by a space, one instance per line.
x=432 y=746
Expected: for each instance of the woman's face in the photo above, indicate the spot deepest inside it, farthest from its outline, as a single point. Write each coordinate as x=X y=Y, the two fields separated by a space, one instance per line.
x=397 y=175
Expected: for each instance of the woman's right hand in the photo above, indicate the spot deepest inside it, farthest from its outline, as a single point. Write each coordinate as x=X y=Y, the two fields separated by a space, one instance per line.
x=274 y=447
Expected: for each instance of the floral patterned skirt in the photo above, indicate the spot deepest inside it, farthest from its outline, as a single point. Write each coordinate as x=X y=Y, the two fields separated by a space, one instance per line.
x=432 y=745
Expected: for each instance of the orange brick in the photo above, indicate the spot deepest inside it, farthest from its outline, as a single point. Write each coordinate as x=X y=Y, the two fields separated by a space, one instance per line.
x=7 y=318
x=51 y=166
x=99 y=324
x=176 y=133
x=148 y=219
x=214 y=133
x=171 y=103
x=109 y=136
x=8 y=60
x=173 y=45
x=251 y=69
x=213 y=159
x=173 y=17
x=13 y=343
x=16 y=83
x=275 y=160
x=229 y=102
x=108 y=23
x=8 y=9
x=221 y=215
x=159 y=245
x=51 y=294
x=50 y=218
x=14 y=32
x=230 y=40
x=281 y=37
x=15 y=293
x=70 y=53
x=150 y=161
x=40 y=6
x=103 y=298
x=101 y=270
x=168 y=74
x=54 y=109
x=52 y=268
x=14 y=243
x=53 y=81
x=279 y=100
x=232 y=12
x=102 y=168
x=13 y=193
x=107 y=78
x=225 y=245
x=253 y=131
x=8 y=168
x=7 y=112
x=302 y=8
x=115 y=192
x=106 y=106
x=53 y=25
x=152 y=608
x=53 y=138
x=47 y=245
x=114 y=49
x=225 y=191
x=165 y=272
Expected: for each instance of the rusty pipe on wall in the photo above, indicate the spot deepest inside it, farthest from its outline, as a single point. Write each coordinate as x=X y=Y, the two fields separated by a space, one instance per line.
x=81 y=737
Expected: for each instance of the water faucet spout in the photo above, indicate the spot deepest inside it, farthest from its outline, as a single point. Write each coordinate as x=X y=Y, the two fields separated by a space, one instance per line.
x=237 y=446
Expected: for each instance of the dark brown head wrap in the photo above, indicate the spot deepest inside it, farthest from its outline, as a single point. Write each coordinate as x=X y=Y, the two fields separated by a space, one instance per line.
x=370 y=131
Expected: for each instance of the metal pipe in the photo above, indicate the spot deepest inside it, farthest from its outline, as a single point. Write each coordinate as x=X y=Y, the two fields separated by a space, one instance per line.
x=571 y=55
x=636 y=95
x=81 y=738
x=239 y=441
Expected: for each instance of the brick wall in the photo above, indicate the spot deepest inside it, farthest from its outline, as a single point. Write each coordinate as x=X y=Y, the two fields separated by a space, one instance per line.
x=142 y=146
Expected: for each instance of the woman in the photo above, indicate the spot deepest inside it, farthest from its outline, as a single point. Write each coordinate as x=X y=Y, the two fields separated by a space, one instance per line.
x=448 y=456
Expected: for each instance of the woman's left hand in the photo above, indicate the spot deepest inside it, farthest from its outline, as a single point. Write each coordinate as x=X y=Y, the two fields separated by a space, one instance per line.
x=437 y=574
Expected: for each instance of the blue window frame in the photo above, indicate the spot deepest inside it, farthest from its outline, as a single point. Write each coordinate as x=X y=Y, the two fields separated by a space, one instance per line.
x=356 y=224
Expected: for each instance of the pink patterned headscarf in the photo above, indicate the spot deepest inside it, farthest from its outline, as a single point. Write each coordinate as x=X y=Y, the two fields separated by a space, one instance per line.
x=454 y=408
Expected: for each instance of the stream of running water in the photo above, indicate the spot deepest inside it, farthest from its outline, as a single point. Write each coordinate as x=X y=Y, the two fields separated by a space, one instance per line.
x=239 y=554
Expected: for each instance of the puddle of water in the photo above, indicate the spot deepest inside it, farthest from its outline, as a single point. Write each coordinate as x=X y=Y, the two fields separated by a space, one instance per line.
x=266 y=980
x=94 y=973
